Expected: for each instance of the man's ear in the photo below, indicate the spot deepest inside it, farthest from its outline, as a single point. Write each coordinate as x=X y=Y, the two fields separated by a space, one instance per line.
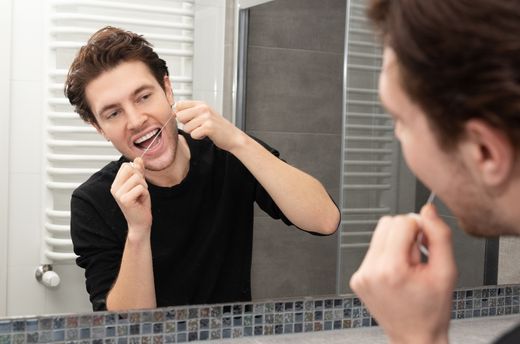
x=168 y=89
x=489 y=151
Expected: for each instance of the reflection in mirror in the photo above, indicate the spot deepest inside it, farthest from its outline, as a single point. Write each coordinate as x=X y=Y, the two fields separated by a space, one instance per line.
x=295 y=99
x=185 y=237
x=293 y=94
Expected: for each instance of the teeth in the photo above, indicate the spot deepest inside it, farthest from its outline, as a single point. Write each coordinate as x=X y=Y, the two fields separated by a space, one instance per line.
x=146 y=137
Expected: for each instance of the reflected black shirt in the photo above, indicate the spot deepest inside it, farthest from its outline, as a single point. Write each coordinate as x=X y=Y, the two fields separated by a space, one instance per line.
x=201 y=232
x=511 y=337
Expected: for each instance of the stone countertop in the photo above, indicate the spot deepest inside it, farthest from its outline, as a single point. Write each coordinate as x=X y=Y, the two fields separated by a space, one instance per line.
x=474 y=330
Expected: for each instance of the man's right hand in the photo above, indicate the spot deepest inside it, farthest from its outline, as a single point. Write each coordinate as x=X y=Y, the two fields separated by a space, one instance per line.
x=135 y=286
x=130 y=191
x=410 y=299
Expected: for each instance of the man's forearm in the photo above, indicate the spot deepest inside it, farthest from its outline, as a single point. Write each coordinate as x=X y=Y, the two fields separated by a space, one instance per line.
x=299 y=196
x=134 y=287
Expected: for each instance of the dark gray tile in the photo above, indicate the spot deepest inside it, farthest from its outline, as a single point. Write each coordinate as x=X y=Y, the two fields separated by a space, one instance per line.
x=316 y=154
x=294 y=263
x=290 y=90
x=299 y=24
x=469 y=255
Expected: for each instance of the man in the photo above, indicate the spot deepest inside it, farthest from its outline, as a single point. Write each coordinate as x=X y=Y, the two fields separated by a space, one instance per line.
x=171 y=222
x=451 y=80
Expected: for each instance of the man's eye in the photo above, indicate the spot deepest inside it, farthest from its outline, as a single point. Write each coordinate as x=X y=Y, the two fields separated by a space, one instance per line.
x=144 y=97
x=112 y=114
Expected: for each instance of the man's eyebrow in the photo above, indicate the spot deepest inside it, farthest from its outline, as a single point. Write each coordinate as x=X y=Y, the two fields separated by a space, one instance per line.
x=142 y=88
x=134 y=93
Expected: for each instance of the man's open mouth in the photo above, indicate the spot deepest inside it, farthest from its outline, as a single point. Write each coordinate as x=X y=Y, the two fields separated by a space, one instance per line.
x=146 y=140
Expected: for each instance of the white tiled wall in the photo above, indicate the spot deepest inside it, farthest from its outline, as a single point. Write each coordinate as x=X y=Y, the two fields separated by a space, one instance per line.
x=208 y=60
x=24 y=294
x=5 y=71
x=21 y=139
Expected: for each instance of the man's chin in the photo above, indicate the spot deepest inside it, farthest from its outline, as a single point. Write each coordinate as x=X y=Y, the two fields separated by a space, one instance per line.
x=485 y=231
x=156 y=165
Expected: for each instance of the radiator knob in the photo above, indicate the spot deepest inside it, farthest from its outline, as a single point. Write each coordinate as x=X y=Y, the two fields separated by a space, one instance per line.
x=46 y=276
x=51 y=279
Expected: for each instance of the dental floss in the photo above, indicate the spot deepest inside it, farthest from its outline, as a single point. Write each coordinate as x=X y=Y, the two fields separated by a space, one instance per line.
x=174 y=108
x=417 y=217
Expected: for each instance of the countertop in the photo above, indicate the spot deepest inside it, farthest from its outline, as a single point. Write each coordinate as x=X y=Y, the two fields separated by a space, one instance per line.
x=474 y=331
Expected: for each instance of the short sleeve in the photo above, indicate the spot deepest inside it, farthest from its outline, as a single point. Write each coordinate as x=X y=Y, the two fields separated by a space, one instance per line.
x=267 y=204
x=262 y=197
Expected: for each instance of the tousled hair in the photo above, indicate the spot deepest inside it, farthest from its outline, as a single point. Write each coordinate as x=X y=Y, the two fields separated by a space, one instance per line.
x=457 y=59
x=105 y=50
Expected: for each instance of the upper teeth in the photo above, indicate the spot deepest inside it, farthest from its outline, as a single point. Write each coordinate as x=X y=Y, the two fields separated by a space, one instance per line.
x=146 y=136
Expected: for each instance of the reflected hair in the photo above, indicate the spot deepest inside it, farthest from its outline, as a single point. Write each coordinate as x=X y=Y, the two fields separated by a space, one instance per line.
x=105 y=50
x=457 y=59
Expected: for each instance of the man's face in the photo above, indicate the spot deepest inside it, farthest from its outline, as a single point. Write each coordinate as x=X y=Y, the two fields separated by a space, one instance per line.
x=130 y=108
x=443 y=172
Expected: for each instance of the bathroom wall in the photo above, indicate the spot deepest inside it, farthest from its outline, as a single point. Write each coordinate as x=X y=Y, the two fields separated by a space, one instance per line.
x=5 y=72
x=294 y=103
x=208 y=77
x=25 y=211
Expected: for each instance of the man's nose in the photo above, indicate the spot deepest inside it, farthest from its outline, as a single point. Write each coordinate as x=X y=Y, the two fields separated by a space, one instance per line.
x=135 y=118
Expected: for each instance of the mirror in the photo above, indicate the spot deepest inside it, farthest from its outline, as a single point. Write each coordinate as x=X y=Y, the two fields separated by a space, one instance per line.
x=293 y=97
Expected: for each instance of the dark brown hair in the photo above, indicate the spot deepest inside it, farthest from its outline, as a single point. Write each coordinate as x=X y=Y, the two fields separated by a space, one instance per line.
x=105 y=50
x=458 y=59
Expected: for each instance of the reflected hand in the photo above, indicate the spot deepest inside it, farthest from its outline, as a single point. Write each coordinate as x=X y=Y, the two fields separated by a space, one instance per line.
x=130 y=191
x=202 y=121
x=411 y=300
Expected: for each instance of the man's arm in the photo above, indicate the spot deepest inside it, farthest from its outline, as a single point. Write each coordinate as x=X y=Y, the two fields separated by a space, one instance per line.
x=134 y=287
x=301 y=198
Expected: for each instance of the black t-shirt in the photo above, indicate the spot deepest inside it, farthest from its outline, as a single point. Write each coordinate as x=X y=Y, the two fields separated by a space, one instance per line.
x=201 y=232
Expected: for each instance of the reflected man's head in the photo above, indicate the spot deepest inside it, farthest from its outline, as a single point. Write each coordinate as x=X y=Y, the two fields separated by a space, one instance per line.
x=105 y=50
x=451 y=80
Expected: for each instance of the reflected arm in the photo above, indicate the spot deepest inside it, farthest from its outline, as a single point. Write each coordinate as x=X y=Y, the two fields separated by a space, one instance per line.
x=301 y=197
x=134 y=287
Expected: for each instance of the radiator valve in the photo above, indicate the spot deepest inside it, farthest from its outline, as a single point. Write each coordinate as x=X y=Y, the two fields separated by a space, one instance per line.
x=46 y=276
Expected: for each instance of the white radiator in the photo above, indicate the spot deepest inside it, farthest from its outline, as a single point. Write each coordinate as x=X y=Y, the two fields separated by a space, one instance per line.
x=72 y=149
x=370 y=154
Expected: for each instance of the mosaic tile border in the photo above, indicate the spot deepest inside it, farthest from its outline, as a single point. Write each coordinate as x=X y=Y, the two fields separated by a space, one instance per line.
x=210 y=322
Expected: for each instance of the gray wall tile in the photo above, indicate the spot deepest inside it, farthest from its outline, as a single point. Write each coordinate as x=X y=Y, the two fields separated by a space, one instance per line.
x=290 y=262
x=294 y=90
x=469 y=255
x=294 y=103
x=299 y=24
x=316 y=154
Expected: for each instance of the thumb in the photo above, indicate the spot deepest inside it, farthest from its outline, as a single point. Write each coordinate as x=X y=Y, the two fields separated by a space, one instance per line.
x=438 y=235
x=139 y=164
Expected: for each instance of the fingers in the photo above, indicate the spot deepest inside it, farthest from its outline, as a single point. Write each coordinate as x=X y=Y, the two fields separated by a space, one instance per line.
x=128 y=178
x=439 y=239
x=139 y=164
x=198 y=118
x=378 y=241
x=186 y=104
x=134 y=195
x=403 y=237
x=391 y=253
x=187 y=110
x=195 y=123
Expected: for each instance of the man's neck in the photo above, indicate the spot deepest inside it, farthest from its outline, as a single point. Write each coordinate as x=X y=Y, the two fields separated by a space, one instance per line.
x=177 y=171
